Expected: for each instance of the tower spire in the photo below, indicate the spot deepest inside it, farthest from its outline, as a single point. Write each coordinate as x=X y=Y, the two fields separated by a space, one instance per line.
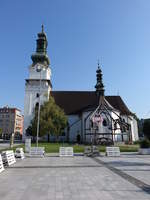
x=99 y=85
x=98 y=63
x=40 y=56
x=42 y=28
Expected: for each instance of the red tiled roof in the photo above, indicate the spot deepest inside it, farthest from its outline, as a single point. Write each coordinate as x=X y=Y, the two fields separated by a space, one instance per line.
x=74 y=101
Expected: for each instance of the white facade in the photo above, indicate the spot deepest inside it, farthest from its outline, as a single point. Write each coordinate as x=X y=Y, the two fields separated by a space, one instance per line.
x=78 y=126
x=37 y=87
x=134 y=129
x=75 y=123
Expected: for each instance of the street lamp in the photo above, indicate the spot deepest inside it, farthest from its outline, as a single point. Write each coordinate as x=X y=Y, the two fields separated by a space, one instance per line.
x=38 y=69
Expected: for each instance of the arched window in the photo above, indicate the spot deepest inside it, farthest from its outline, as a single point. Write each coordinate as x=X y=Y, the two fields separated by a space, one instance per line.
x=123 y=120
x=105 y=122
x=37 y=95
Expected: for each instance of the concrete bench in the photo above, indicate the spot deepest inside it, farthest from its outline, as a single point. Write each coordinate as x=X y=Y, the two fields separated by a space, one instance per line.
x=1 y=164
x=65 y=151
x=112 y=151
x=62 y=151
x=19 y=153
x=8 y=158
x=37 y=151
x=69 y=151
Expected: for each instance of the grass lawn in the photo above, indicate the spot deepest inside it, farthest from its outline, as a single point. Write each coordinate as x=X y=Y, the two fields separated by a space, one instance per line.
x=54 y=147
x=129 y=148
x=13 y=148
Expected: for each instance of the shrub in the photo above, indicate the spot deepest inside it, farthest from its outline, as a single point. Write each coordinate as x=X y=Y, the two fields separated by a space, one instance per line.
x=136 y=142
x=145 y=143
x=146 y=128
x=128 y=142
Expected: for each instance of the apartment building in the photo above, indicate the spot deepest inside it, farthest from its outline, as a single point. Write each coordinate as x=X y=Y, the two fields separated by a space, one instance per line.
x=11 y=121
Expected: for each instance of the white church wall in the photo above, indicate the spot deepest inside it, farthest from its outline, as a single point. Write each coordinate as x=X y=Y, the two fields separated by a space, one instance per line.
x=86 y=138
x=75 y=127
x=134 y=129
x=125 y=136
x=31 y=99
x=107 y=128
x=117 y=137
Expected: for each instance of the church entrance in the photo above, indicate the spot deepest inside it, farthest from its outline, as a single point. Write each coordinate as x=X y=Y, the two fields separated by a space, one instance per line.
x=78 y=138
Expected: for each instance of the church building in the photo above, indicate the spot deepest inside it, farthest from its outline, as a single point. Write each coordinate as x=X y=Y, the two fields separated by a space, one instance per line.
x=91 y=114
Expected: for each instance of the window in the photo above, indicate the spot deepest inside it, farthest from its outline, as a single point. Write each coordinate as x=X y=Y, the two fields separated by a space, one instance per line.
x=37 y=95
x=63 y=134
x=123 y=120
x=105 y=122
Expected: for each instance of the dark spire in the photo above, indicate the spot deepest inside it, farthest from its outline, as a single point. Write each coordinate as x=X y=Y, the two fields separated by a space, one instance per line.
x=99 y=85
x=40 y=56
x=42 y=28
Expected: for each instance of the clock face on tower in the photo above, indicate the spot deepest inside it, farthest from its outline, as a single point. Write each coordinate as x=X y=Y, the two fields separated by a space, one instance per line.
x=39 y=70
x=38 y=67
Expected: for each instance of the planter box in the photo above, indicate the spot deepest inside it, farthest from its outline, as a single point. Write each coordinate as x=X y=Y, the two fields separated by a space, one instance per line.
x=144 y=151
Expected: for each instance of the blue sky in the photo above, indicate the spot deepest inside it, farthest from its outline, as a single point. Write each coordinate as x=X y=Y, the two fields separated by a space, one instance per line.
x=117 y=32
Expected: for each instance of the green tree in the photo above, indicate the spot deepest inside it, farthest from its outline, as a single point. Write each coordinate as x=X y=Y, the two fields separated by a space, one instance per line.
x=146 y=128
x=52 y=120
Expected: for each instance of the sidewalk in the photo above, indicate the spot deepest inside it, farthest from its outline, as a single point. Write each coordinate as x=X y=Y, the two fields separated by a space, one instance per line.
x=70 y=178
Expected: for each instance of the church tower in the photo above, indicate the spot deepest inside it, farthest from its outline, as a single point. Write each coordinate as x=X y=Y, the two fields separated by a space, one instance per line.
x=38 y=85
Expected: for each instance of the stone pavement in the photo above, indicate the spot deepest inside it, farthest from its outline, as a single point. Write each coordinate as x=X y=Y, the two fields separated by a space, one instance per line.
x=135 y=165
x=70 y=178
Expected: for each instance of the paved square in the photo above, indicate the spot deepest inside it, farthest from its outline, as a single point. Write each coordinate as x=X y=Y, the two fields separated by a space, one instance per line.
x=135 y=165
x=67 y=178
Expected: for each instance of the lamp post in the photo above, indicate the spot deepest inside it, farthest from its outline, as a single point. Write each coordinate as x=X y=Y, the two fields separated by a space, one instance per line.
x=38 y=69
